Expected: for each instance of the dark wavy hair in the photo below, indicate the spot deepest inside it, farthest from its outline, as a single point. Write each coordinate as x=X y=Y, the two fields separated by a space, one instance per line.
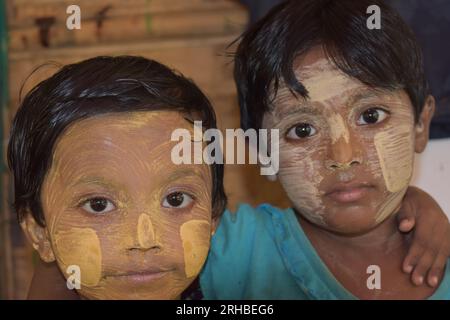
x=387 y=58
x=92 y=87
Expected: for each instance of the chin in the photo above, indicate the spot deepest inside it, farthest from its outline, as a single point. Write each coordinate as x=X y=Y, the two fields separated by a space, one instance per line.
x=167 y=289
x=350 y=221
x=112 y=293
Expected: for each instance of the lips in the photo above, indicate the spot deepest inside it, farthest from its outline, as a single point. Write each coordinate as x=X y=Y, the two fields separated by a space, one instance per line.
x=350 y=192
x=143 y=276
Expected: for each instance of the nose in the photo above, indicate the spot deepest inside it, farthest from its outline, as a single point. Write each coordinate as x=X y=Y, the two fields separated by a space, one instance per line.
x=146 y=238
x=344 y=154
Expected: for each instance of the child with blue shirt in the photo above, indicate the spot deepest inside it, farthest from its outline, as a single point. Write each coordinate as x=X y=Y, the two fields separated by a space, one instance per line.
x=352 y=106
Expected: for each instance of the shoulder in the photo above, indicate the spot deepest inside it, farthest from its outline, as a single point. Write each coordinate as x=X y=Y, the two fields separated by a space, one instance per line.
x=246 y=222
x=262 y=213
x=242 y=250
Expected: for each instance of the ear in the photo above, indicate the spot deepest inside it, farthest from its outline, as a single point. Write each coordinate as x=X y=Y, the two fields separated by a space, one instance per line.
x=214 y=224
x=422 y=127
x=38 y=237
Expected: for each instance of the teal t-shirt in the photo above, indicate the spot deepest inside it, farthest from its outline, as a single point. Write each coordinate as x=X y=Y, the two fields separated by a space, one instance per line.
x=263 y=253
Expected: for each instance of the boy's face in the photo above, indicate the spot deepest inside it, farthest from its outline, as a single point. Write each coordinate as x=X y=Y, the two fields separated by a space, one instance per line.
x=115 y=205
x=346 y=153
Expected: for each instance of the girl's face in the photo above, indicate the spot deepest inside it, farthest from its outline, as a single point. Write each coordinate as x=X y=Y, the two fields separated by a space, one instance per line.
x=137 y=225
x=346 y=153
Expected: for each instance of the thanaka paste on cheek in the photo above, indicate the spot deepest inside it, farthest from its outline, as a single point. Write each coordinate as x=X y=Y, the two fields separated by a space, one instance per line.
x=395 y=150
x=195 y=236
x=80 y=247
x=300 y=175
x=396 y=156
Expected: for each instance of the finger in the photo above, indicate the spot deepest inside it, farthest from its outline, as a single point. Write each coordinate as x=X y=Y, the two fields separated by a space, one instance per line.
x=407 y=210
x=407 y=214
x=415 y=252
x=432 y=248
x=439 y=264
x=407 y=224
x=419 y=246
x=437 y=269
x=422 y=267
x=427 y=236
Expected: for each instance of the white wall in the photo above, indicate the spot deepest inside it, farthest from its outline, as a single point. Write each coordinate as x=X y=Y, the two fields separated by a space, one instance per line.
x=432 y=172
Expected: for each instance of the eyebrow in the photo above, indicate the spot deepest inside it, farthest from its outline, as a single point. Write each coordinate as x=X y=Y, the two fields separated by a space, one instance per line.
x=301 y=109
x=95 y=180
x=183 y=173
x=359 y=95
x=366 y=94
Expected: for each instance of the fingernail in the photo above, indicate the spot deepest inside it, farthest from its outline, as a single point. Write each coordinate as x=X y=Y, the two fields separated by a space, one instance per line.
x=409 y=268
x=420 y=280
x=434 y=281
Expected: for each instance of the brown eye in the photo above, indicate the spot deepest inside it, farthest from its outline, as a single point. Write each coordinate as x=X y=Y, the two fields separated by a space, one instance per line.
x=301 y=130
x=98 y=205
x=177 y=200
x=372 y=116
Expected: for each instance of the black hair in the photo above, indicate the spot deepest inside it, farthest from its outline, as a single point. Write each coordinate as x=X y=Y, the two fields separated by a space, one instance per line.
x=388 y=58
x=93 y=87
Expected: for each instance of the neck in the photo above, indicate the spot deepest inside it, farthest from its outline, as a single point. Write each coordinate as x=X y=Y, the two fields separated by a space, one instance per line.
x=385 y=237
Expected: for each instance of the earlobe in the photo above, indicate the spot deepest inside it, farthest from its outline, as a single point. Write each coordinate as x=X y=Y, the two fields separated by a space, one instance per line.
x=422 y=127
x=419 y=126
x=38 y=237
x=214 y=225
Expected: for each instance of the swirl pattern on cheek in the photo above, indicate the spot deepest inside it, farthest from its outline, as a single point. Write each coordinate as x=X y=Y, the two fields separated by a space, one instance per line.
x=81 y=247
x=195 y=236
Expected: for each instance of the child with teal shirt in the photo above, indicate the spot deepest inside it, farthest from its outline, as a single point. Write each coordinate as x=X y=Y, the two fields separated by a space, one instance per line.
x=272 y=258
x=352 y=107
